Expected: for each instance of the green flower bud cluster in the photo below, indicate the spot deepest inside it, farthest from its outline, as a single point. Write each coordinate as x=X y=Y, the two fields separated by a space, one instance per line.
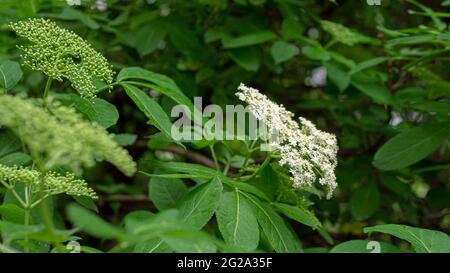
x=61 y=53
x=59 y=136
x=340 y=33
x=50 y=183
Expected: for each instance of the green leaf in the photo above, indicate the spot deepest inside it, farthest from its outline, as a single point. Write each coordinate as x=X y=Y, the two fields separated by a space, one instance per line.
x=396 y=186
x=69 y=13
x=411 y=40
x=15 y=159
x=92 y=224
x=315 y=53
x=192 y=171
x=152 y=110
x=166 y=193
x=299 y=214
x=269 y=182
x=337 y=76
x=411 y=146
x=8 y=143
x=237 y=222
x=155 y=245
x=432 y=106
x=106 y=114
x=12 y=213
x=158 y=82
x=373 y=88
x=280 y=237
x=282 y=51
x=86 y=202
x=367 y=64
x=125 y=139
x=248 y=58
x=189 y=242
x=364 y=246
x=365 y=201
x=149 y=37
x=98 y=110
x=10 y=74
x=197 y=208
x=422 y=240
x=250 y=39
x=182 y=167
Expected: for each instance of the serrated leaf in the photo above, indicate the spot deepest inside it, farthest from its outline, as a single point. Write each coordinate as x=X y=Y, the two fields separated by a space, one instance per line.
x=166 y=193
x=199 y=205
x=98 y=110
x=10 y=74
x=422 y=240
x=280 y=237
x=411 y=146
x=152 y=110
x=236 y=221
x=158 y=82
x=299 y=214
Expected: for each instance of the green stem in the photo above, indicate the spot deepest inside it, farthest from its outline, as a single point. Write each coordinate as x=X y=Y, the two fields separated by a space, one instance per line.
x=47 y=89
x=247 y=158
x=26 y=217
x=227 y=168
x=106 y=87
x=6 y=184
x=26 y=223
x=213 y=153
x=260 y=168
x=46 y=217
x=17 y=196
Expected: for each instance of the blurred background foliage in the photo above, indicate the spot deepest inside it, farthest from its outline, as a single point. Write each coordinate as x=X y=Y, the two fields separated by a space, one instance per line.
x=375 y=73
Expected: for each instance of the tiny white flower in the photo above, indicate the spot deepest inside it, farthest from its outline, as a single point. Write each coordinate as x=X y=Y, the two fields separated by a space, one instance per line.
x=308 y=153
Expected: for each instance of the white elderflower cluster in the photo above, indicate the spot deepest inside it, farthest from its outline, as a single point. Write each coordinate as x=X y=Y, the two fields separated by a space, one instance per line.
x=61 y=53
x=309 y=154
x=51 y=183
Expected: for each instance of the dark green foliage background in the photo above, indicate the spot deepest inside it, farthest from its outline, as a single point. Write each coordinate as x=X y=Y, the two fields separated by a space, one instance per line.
x=194 y=43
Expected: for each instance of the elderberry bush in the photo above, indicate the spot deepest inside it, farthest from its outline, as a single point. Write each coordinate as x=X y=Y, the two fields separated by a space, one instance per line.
x=224 y=126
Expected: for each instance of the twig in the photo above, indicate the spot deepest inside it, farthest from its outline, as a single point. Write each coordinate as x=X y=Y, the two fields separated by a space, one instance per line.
x=126 y=198
x=191 y=156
